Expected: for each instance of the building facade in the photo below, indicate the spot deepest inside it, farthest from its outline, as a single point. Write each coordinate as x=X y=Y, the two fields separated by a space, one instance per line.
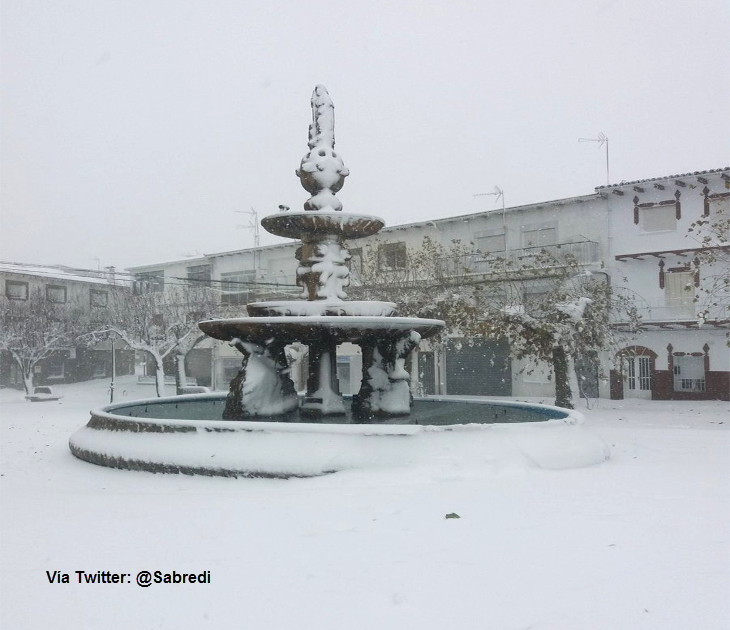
x=682 y=349
x=64 y=287
x=636 y=234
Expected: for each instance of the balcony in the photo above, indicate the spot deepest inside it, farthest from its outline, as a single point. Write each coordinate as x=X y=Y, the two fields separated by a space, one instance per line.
x=682 y=315
x=520 y=260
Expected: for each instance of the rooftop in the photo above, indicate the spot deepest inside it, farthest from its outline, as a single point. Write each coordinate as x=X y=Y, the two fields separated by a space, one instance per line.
x=654 y=179
x=58 y=272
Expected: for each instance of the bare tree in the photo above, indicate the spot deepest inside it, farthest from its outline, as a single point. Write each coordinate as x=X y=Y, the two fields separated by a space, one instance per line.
x=425 y=281
x=558 y=317
x=544 y=304
x=712 y=262
x=161 y=324
x=31 y=330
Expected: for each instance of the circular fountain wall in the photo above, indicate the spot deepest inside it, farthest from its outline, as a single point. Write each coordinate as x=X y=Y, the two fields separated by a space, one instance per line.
x=186 y=434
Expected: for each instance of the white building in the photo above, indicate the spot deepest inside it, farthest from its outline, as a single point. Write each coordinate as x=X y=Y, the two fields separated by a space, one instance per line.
x=66 y=287
x=678 y=355
x=624 y=230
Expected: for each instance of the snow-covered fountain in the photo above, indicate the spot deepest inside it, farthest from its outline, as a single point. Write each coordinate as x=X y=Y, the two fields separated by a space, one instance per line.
x=262 y=427
x=323 y=318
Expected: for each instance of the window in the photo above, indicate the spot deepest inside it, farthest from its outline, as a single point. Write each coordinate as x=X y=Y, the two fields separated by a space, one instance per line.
x=689 y=373
x=659 y=218
x=98 y=369
x=99 y=298
x=679 y=288
x=392 y=256
x=56 y=294
x=54 y=366
x=200 y=274
x=15 y=290
x=541 y=236
x=536 y=295
x=237 y=287
x=149 y=282
x=490 y=242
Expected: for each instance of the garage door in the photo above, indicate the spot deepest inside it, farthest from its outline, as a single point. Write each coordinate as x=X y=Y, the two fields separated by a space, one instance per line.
x=481 y=369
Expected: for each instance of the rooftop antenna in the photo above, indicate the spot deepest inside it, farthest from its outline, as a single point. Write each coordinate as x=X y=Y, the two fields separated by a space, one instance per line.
x=498 y=194
x=253 y=224
x=601 y=139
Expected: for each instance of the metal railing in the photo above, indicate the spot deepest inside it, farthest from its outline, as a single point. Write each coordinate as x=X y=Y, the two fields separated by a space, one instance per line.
x=682 y=312
x=583 y=252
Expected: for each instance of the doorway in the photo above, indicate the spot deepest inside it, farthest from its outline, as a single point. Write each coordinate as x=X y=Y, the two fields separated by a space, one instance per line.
x=638 y=376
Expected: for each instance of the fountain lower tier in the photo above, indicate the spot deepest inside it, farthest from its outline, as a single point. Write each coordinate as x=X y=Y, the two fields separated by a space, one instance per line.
x=314 y=329
x=263 y=386
x=185 y=434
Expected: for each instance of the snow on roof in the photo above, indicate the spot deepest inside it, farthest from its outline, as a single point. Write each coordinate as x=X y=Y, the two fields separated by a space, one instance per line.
x=654 y=179
x=58 y=272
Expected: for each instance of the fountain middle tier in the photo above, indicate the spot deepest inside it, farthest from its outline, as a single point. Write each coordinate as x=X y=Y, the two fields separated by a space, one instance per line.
x=263 y=386
x=339 y=308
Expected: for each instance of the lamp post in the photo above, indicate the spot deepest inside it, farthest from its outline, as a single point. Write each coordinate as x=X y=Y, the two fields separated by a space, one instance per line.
x=114 y=369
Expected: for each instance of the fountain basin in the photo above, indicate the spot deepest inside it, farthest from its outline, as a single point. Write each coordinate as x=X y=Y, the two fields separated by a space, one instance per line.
x=184 y=434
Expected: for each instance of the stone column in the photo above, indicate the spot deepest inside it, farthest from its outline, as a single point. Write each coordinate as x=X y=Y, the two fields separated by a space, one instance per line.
x=323 y=392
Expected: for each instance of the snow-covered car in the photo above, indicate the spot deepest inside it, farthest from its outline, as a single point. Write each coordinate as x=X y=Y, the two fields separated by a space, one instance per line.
x=43 y=393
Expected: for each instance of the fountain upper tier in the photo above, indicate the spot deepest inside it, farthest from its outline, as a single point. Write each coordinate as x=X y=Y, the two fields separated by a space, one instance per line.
x=306 y=225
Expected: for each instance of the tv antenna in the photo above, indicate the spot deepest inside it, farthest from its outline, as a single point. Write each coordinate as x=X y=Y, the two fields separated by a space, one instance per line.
x=601 y=139
x=498 y=194
x=253 y=224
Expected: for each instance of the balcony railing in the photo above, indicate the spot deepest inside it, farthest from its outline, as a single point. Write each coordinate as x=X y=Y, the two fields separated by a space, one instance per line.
x=683 y=312
x=583 y=252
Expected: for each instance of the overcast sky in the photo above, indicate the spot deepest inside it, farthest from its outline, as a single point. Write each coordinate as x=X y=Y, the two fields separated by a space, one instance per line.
x=134 y=130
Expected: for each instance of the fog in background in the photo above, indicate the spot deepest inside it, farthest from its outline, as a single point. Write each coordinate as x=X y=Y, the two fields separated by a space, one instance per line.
x=133 y=131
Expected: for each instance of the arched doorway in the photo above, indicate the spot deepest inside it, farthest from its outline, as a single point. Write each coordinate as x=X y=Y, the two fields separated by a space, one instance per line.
x=637 y=372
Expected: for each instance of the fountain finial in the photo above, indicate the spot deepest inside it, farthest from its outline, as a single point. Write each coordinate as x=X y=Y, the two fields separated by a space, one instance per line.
x=322 y=172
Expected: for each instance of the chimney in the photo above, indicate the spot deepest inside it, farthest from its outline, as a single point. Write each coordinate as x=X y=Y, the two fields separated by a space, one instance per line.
x=111 y=274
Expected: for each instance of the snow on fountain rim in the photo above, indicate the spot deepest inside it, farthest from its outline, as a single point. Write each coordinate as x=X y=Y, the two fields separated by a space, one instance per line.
x=351 y=321
x=569 y=416
x=303 y=449
x=306 y=308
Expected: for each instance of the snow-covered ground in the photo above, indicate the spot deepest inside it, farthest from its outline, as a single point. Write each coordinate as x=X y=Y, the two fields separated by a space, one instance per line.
x=641 y=541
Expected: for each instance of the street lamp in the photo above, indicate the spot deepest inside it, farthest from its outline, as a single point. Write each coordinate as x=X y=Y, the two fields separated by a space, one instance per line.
x=114 y=370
